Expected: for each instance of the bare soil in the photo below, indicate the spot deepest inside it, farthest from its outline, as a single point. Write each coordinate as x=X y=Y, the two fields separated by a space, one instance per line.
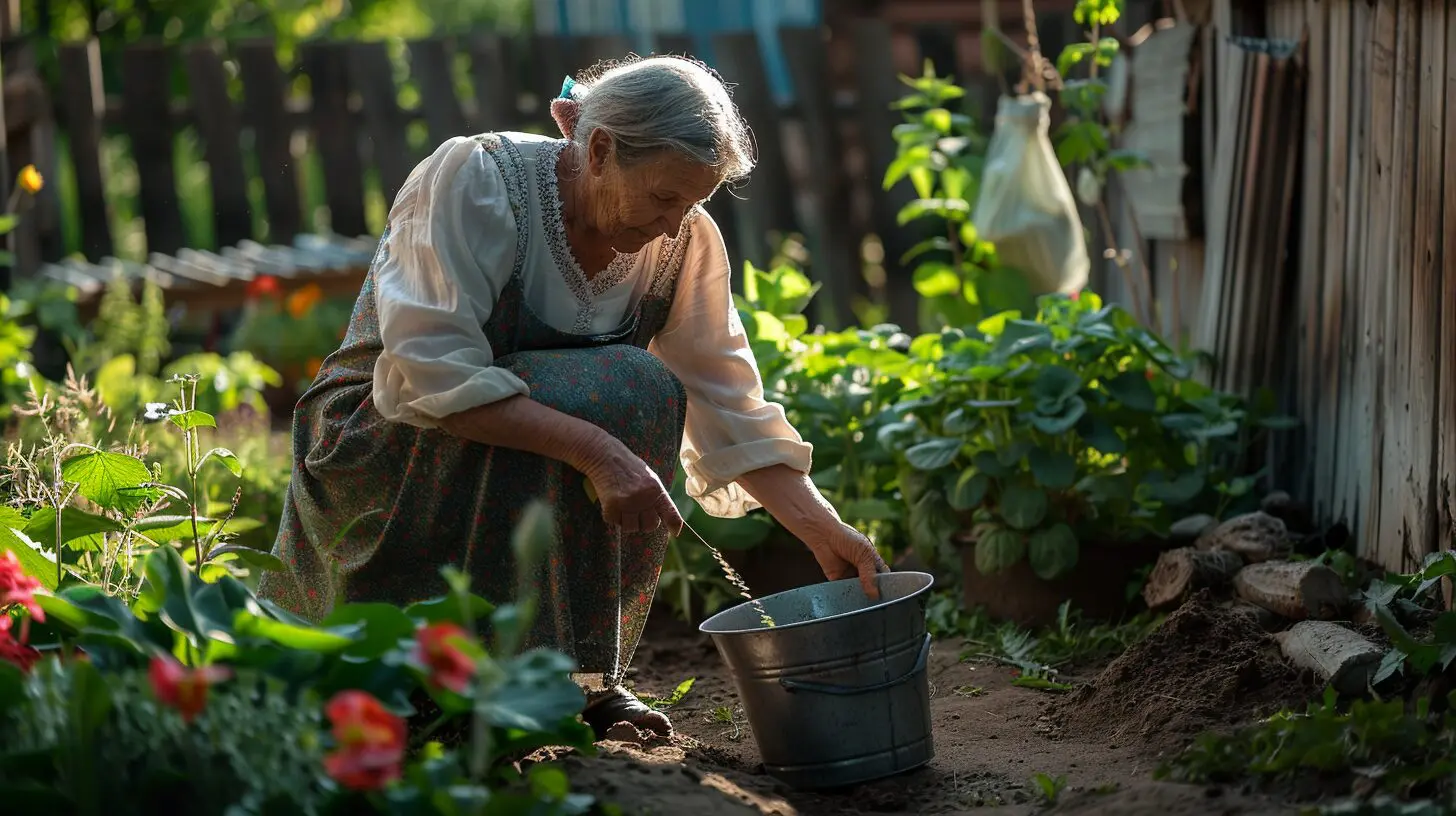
x=1204 y=668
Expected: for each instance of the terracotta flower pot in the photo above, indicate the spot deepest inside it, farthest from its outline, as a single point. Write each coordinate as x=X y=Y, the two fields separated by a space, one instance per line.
x=1097 y=586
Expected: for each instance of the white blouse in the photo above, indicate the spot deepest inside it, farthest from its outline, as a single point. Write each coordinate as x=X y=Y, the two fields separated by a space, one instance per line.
x=451 y=249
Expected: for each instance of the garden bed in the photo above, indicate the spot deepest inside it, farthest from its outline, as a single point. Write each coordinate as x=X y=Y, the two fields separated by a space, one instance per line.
x=992 y=737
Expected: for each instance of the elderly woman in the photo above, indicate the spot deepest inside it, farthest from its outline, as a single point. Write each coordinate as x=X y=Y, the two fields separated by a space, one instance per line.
x=544 y=313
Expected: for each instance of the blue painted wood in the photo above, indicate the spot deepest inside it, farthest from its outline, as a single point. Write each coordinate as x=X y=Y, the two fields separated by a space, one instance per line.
x=639 y=20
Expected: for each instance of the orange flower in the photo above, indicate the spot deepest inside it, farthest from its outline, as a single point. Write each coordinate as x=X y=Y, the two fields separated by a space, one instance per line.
x=313 y=365
x=437 y=646
x=370 y=741
x=30 y=179
x=16 y=651
x=181 y=688
x=262 y=286
x=18 y=588
x=302 y=301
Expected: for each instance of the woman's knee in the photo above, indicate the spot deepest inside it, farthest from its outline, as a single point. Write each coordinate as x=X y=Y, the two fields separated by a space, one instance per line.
x=602 y=383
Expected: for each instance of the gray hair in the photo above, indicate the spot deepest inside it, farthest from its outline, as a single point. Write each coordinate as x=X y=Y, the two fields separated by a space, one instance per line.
x=652 y=104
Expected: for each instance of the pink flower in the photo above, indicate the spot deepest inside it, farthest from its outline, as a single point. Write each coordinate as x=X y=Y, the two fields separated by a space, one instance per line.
x=438 y=648
x=18 y=588
x=370 y=741
x=182 y=688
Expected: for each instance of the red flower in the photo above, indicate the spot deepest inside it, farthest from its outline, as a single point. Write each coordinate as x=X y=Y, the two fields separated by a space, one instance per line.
x=370 y=741
x=1150 y=373
x=262 y=286
x=1077 y=295
x=182 y=688
x=15 y=651
x=437 y=646
x=18 y=588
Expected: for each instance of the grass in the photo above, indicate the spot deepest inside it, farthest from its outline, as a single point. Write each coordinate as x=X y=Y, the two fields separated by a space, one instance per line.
x=1039 y=656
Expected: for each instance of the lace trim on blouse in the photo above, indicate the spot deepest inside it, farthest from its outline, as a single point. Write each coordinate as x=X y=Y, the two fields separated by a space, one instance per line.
x=621 y=266
x=513 y=172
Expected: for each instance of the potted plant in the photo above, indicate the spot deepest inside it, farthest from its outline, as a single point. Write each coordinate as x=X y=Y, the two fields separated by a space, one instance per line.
x=1051 y=455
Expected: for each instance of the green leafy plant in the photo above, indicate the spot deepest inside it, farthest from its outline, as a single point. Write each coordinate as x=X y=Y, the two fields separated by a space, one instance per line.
x=1403 y=601
x=214 y=652
x=90 y=511
x=939 y=150
x=1077 y=425
x=1401 y=752
x=1050 y=787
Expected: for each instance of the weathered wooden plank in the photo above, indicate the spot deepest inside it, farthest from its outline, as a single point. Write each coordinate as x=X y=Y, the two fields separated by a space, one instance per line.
x=371 y=76
x=835 y=255
x=1368 y=452
x=1395 y=462
x=327 y=66
x=877 y=88
x=1423 y=376
x=430 y=66
x=765 y=203
x=494 y=81
x=1330 y=369
x=82 y=102
x=146 y=67
x=220 y=130
x=263 y=108
x=1312 y=242
x=1444 y=416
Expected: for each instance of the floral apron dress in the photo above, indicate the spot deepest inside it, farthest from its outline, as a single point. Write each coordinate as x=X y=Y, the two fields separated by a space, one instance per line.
x=375 y=508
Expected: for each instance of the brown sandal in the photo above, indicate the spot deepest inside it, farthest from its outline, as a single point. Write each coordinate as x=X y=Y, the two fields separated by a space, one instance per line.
x=605 y=709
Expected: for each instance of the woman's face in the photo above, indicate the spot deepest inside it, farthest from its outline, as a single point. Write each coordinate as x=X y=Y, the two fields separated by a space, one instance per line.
x=635 y=205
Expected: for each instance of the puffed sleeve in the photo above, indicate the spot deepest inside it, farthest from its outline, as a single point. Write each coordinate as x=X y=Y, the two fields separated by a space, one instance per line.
x=731 y=429
x=450 y=250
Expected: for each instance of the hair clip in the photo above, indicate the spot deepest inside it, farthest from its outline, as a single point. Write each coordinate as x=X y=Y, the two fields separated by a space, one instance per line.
x=566 y=86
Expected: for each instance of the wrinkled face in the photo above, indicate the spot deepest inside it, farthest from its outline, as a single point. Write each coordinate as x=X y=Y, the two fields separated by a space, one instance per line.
x=635 y=205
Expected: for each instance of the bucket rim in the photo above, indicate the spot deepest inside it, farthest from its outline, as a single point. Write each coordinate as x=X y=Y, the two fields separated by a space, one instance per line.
x=714 y=632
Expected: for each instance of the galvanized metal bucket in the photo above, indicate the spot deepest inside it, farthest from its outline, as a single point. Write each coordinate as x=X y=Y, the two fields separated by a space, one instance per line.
x=836 y=692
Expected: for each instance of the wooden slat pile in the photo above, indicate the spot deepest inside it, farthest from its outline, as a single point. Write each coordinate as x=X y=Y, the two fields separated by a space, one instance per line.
x=1252 y=139
x=204 y=281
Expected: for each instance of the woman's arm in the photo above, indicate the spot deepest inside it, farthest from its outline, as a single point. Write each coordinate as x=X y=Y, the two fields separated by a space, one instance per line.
x=796 y=503
x=740 y=451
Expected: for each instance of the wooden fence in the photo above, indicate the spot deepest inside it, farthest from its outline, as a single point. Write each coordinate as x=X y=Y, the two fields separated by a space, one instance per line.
x=1348 y=310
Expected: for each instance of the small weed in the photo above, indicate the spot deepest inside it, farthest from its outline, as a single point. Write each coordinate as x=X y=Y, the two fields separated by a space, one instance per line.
x=1106 y=788
x=677 y=695
x=1040 y=683
x=1050 y=786
x=724 y=715
x=968 y=691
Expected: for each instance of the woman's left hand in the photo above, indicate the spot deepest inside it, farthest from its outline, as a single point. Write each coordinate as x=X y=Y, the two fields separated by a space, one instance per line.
x=844 y=552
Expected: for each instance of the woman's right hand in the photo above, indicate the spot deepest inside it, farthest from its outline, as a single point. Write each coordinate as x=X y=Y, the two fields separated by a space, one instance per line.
x=629 y=492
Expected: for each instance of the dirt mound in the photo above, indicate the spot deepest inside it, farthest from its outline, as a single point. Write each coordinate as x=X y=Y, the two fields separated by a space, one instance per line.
x=1204 y=668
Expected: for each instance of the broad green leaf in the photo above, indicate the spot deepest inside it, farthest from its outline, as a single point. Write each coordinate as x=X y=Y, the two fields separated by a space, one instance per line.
x=536 y=695
x=226 y=457
x=1181 y=489
x=936 y=280
x=35 y=563
x=1023 y=507
x=188 y=420
x=1053 y=469
x=383 y=627
x=988 y=463
x=1072 y=411
x=75 y=524
x=303 y=638
x=1102 y=436
x=448 y=608
x=933 y=454
x=970 y=490
x=1054 y=384
x=1052 y=552
x=111 y=480
x=998 y=550
x=1131 y=388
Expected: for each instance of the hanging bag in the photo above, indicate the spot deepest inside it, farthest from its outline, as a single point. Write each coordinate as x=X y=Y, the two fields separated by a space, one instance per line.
x=1025 y=206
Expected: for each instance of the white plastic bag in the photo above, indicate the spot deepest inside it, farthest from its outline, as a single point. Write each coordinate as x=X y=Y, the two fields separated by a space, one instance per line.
x=1026 y=206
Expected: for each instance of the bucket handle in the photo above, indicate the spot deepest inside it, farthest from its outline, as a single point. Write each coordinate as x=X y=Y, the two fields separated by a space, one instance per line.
x=834 y=688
